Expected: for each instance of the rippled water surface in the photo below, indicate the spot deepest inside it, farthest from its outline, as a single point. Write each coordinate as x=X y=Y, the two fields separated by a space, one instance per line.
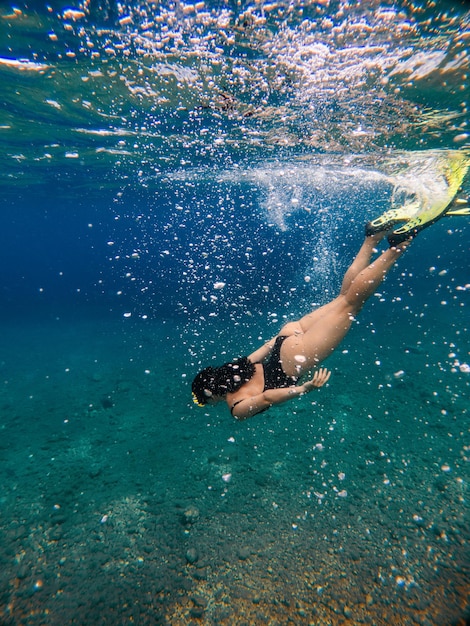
x=176 y=181
x=149 y=88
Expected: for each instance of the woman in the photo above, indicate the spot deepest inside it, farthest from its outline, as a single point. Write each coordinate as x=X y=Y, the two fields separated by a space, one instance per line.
x=270 y=375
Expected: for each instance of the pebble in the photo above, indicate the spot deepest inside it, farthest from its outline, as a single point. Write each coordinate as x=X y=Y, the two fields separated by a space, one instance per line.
x=461 y=137
x=244 y=553
x=56 y=533
x=20 y=533
x=200 y=574
x=191 y=515
x=22 y=572
x=199 y=601
x=347 y=612
x=191 y=555
x=58 y=518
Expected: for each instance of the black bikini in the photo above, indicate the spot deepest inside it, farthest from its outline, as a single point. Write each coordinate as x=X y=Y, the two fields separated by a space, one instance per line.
x=274 y=375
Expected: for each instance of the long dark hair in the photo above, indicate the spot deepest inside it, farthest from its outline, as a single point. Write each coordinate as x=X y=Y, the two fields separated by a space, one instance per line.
x=218 y=381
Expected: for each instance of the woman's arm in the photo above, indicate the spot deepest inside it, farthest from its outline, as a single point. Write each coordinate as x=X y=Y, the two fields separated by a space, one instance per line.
x=243 y=409
x=259 y=355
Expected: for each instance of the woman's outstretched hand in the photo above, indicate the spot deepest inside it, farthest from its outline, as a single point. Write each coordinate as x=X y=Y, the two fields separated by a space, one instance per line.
x=320 y=377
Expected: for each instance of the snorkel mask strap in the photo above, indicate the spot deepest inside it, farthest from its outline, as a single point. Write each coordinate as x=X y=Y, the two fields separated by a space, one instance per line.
x=196 y=401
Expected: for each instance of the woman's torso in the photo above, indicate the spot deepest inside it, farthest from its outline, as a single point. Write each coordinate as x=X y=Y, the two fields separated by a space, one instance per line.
x=268 y=376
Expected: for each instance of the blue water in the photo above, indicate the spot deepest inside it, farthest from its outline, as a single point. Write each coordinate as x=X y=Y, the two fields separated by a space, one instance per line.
x=150 y=155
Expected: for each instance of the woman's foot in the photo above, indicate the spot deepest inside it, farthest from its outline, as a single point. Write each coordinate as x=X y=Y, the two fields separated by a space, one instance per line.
x=399 y=246
x=376 y=238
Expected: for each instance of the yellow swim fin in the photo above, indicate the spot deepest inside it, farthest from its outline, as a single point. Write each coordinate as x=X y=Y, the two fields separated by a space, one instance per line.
x=463 y=211
x=454 y=171
x=459 y=206
x=391 y=218
x=419 y=212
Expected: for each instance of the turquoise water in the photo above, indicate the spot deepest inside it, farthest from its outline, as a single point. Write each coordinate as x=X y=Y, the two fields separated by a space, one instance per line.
x=149 y=155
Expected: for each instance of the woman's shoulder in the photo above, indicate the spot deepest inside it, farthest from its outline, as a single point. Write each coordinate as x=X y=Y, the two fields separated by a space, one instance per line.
x=252 y=387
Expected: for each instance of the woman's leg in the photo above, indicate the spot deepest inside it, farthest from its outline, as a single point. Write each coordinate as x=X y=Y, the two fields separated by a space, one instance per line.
x=368 y=279
x=322 y=330
x=362 y=260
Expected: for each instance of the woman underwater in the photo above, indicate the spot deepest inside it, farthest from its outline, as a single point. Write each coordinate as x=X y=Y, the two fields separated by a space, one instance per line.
x=271 y=374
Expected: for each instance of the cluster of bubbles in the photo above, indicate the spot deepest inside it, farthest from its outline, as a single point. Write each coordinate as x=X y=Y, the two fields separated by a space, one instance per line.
x=272 y=237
